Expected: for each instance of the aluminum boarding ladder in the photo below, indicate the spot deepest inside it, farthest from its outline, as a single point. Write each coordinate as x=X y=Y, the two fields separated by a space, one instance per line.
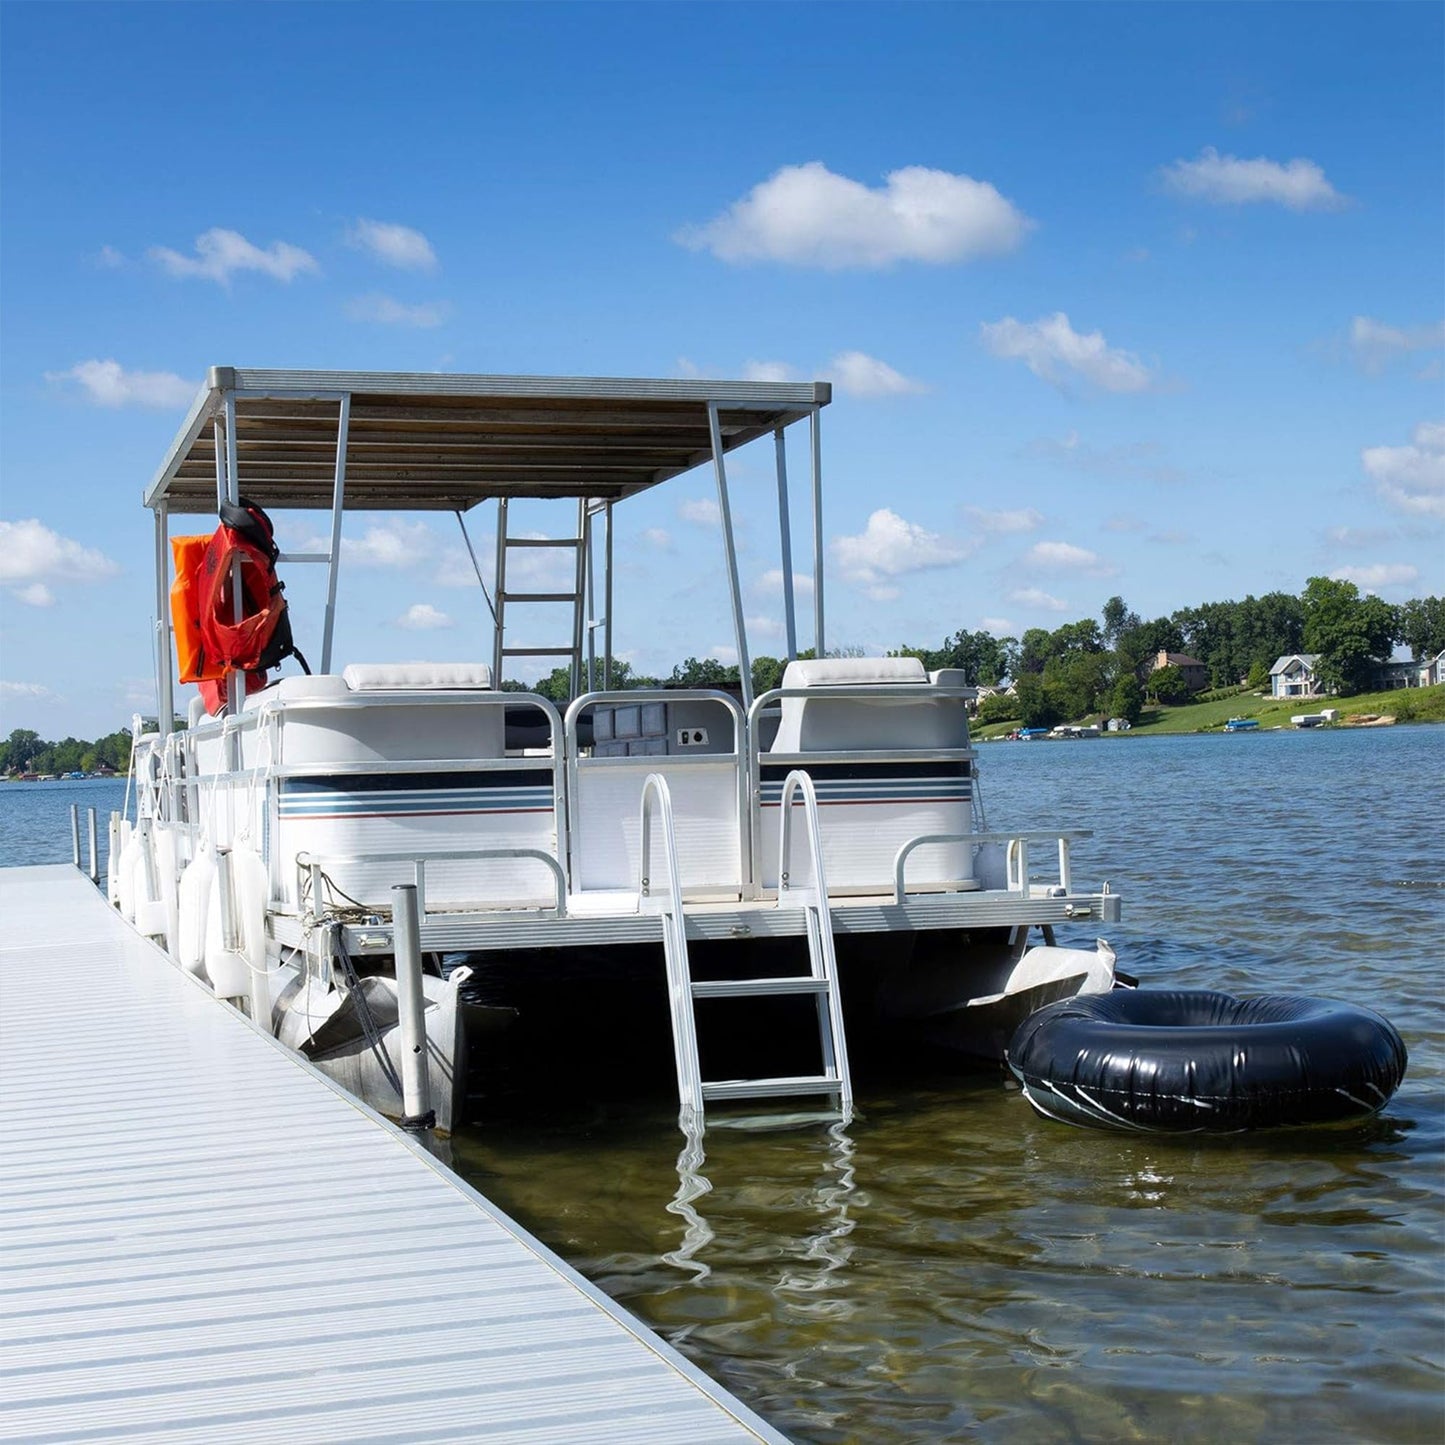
x=578 y=546
x=821 y=980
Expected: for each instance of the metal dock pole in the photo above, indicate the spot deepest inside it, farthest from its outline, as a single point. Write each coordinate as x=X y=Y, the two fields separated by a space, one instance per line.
x=94 y=852
x=75 y=834
x=417 y=1113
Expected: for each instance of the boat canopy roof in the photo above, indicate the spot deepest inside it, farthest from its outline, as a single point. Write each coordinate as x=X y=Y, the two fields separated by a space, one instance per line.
x=426 y=441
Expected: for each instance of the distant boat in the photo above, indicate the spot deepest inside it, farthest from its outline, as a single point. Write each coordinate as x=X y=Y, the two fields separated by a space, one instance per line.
x=1315 y=719
x=1241 y=724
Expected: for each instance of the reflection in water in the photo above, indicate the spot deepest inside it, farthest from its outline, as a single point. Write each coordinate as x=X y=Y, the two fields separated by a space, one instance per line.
x=812 y=1263
x=692 y=1184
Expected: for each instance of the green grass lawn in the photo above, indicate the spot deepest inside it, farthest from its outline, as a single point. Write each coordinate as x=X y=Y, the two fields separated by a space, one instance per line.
x=1414 y=704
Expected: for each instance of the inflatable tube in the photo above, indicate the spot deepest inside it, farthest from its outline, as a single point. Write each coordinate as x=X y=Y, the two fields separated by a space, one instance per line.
x=1195 y=1061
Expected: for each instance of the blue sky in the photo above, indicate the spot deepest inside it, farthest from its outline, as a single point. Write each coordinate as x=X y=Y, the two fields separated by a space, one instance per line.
x=1143 y=299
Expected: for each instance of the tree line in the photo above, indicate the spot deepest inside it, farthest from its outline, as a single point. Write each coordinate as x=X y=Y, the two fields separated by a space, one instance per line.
x=1106 y=664
x=27 y=752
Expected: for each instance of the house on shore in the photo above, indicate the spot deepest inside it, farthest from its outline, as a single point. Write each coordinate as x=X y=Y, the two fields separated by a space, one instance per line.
x=1196 y=675
x=1294 y=676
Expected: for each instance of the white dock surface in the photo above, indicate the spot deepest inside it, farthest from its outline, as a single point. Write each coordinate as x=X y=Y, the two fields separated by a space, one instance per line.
x=202 y=1238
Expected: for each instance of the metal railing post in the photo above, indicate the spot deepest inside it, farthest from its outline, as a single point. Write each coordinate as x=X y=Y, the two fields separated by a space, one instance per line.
x=417 y=1113
x=75 y=834
x=94 y=852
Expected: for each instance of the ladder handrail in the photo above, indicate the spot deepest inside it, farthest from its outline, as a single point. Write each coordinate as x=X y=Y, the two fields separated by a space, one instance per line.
x=674 y=943
x=822 y=957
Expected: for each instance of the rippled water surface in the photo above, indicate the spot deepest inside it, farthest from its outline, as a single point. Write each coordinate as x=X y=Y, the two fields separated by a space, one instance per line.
x=952 y=1267
x=949 y=1266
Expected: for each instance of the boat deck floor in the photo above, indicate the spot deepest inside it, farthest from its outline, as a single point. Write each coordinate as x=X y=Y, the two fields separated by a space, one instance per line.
x=204 y=1239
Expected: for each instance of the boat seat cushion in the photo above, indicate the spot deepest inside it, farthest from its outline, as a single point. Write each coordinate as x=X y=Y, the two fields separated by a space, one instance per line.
x=418 y=676
x=852 y=671
x=839 y=724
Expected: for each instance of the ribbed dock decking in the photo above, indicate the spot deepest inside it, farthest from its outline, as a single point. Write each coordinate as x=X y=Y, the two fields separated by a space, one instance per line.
x=202 y=1238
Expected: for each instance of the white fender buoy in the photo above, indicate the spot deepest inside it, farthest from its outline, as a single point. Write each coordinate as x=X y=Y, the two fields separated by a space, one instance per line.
x=167 y=878
x=240 y=972
x=194 y=904
x=119 y=836
x=130 y=859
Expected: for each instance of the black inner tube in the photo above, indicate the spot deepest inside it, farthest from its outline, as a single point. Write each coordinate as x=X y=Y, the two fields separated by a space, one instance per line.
x=1198 y=1060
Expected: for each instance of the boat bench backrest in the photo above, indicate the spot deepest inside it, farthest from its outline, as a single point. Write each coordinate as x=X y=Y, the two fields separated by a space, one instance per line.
x=823 y=724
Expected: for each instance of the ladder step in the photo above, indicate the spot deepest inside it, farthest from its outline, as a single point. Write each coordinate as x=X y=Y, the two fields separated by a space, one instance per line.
x=539 y=652
x=542 y=541
x=538 y=596
x=772 y=1088
x=759 y=987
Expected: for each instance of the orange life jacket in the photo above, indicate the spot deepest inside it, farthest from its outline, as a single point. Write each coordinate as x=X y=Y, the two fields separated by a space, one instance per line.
x=191 y=658
x=211 y=642
x=238 y=645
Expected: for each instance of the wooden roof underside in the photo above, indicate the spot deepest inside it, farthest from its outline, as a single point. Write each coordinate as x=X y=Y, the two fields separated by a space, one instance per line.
x=463 y=441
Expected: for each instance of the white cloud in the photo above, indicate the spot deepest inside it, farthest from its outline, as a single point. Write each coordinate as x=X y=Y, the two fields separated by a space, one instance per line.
x=35 y=691
x=772 y=581
x=1375 y=345
x=32 y=557
x=658 y=537
x=1025 y=519
x=393 y=244
x=1228 y=181
x=393 y=545
x=109 y=259
x=1053 y=555
x=768 y=371
x=221 y=253
x=423 y=617
x=860 y=375
x=1122 y=522
x=1051 y=343
x=700 y=511
x=389 y=312
x=764 y=627
x=1412 y=478
x=1133 y=461
x=808 y=216
x=108 y=383
x=997 y=626
x=1378 y=575
x=725 y=653
x=1036 y=597
x=890 y=547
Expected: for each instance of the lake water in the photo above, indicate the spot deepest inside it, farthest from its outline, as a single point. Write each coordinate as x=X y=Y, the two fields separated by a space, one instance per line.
x=950 y=1266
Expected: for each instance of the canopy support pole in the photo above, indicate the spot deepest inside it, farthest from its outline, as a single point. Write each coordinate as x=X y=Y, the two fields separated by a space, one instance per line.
x=785 y=535
x=337 y=496
x=745 y=672
x=165 y=695
x=816 y=436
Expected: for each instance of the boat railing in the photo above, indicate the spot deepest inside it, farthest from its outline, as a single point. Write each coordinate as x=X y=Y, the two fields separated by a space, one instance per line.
x=781 y=762
x=708 y=798
x=1016 y=857
x=312 y=874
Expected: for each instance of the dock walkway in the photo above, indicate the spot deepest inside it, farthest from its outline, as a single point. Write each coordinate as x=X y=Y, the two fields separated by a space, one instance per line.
x=203 y=1238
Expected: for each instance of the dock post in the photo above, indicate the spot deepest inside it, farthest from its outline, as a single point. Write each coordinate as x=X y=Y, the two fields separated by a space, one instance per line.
x=75 y=834
x=417 y=1113
x=94 y=852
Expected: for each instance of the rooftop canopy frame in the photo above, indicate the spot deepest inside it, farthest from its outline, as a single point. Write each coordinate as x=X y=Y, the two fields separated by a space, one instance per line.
x=402 y=441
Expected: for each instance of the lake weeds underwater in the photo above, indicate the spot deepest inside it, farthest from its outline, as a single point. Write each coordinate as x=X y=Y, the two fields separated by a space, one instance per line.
x=949 y=1266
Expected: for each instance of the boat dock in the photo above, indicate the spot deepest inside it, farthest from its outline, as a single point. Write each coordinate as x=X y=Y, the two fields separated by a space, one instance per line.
x=204 y=1238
